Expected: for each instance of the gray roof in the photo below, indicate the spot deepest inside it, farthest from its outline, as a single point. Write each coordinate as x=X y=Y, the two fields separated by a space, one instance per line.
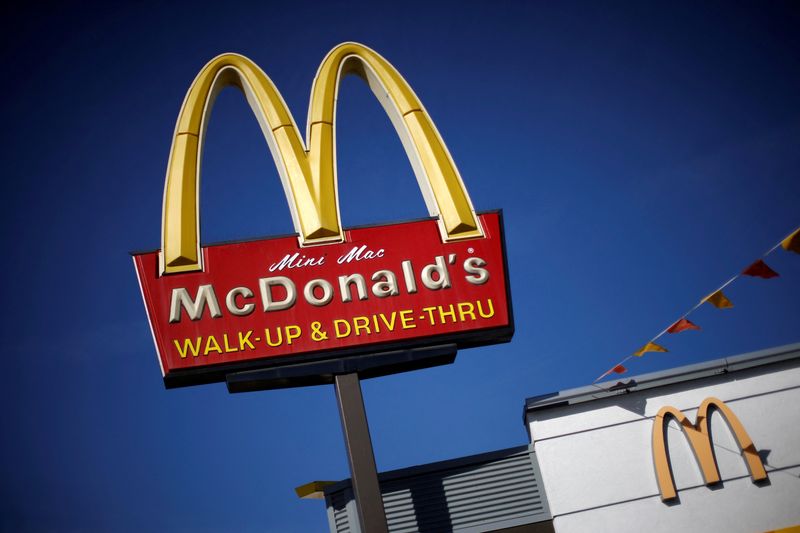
x=679 y=374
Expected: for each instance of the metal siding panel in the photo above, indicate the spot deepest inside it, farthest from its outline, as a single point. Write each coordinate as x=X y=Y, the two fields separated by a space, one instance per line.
x=338 y=511
x=457 y=495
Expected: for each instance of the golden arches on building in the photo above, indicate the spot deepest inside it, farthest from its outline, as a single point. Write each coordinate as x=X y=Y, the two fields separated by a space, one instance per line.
x=307 y=169
x=699 y=437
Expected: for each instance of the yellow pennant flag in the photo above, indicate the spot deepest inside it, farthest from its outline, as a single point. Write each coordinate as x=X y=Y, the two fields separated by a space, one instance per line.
x=718 y=300
x=649 y=347
x=792 y=242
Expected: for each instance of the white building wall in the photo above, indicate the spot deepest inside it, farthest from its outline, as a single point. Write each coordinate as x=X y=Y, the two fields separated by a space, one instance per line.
x=597 y=465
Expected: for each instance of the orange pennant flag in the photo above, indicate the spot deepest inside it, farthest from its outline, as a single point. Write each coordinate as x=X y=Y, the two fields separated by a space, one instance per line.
x=682 y=325
x=649 y=347
x=619 y=369
x=718 y=300
x=792 y=242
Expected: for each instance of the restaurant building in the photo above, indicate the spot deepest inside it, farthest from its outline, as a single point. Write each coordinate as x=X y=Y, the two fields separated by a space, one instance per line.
x=598 y=449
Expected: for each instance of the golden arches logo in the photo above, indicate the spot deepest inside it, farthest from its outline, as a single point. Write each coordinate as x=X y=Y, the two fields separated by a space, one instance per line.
x=307 y=169
x=699 y=437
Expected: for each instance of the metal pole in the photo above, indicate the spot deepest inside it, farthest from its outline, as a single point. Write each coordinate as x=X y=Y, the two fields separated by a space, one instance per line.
x=360 y=455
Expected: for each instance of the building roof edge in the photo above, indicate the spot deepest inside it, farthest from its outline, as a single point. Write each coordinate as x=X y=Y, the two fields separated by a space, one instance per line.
x=662 y=378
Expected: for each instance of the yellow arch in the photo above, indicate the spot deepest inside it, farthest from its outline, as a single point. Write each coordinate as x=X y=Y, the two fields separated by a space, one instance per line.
x=308 y=171
x=699 y=437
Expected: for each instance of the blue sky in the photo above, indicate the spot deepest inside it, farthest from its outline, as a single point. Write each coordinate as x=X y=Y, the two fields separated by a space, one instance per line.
x=643 y=153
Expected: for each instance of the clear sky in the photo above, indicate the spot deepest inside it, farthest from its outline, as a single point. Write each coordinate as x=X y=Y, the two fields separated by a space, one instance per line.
x=643 y=153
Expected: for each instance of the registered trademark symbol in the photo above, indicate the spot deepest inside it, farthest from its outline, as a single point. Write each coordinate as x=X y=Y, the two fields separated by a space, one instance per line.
x=471 y=250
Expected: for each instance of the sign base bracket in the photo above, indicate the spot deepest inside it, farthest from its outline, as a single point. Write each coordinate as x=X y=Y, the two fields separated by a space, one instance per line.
x=325 y=372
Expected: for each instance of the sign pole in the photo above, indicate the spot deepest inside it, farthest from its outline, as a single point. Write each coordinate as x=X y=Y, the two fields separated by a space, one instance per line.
x=359 y=454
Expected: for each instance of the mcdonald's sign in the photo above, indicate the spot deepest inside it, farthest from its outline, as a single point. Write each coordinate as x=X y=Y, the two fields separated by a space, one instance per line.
x=326 y=292
x=699 y=437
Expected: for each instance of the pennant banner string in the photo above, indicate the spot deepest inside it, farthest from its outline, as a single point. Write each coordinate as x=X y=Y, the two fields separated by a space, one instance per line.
x=734 y=278
x=789 y=237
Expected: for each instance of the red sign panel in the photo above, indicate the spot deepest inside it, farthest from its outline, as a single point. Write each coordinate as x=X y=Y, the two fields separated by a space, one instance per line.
x=270 y=302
